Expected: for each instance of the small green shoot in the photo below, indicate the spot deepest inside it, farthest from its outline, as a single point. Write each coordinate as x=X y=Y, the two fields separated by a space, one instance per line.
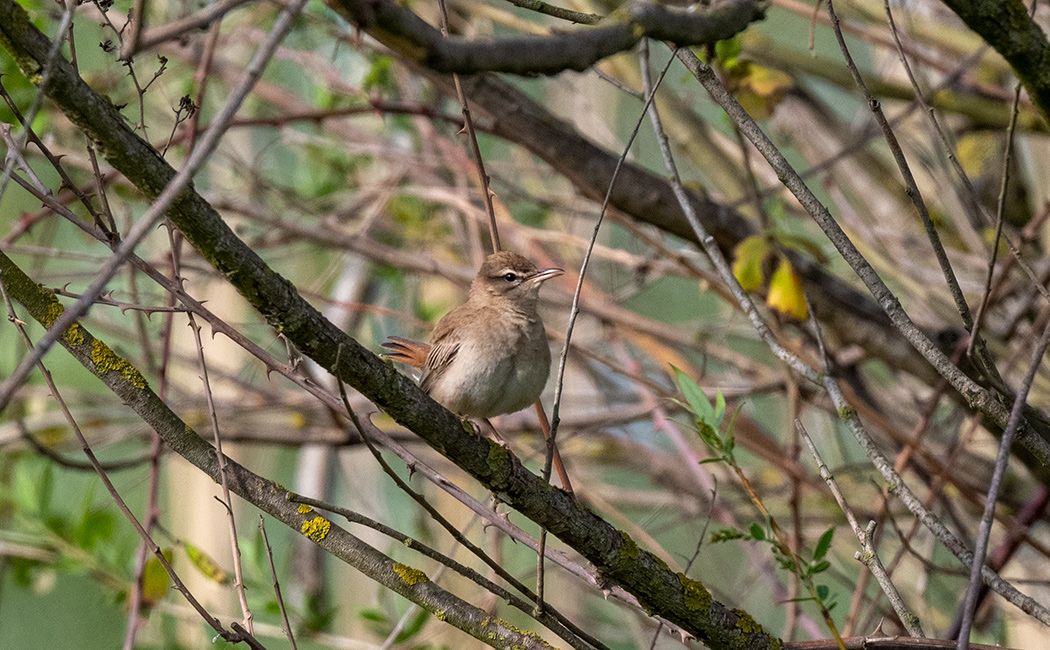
x=708 y=415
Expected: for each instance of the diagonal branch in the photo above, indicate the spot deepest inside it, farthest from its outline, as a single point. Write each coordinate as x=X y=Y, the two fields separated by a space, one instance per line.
x=130 y=386
x=681 y=600
x=576 y=49
x=1007 y=27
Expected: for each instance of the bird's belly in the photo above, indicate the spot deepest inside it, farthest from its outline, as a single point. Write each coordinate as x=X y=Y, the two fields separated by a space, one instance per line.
x=499 y=385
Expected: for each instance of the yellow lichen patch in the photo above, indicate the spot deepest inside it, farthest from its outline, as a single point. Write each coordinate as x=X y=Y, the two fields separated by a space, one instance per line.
x=54 y=310
x=106 y=361
x=316 y=529
x=745 y=623
x=303 y=509
x=73 y=335
x=697 y=598
x=409 y=575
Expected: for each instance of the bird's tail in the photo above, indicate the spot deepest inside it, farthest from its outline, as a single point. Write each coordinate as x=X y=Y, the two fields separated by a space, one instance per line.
x=407 y=351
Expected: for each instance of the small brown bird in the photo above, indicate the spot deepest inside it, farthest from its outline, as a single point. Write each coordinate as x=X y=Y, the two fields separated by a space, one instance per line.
x=489 y=356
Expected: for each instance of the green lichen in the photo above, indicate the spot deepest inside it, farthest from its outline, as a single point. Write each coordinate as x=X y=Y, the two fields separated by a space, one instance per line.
x=847 y=413
x=106 y=361
x=628 y=549
x=316 y=529
x=697 y=597
x=440 y=615
x=409 y=575
x=303 y=509
x=498 y=462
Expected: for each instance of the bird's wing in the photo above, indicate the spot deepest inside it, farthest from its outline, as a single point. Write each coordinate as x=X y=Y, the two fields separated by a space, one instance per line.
x=444 y=345
x=438 y=360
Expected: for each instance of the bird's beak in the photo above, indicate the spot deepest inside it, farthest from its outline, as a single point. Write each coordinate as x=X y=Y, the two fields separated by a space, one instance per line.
x=544 y=275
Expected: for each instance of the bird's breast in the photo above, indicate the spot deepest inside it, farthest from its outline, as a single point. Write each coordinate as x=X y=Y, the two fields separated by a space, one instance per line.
x=498 y=370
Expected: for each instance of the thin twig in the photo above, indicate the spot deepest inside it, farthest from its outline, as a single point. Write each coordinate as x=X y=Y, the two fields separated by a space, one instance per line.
x=911 y=187
x=557 y=12
x=38 y=97
x=276 y=584
x=468 y=125
x=999 y=220
x=1001 y=460
x=846 y=412
x=545 y=615
x=226 y=500
x=121 y=504
x=866 y=535
x=156 y=211
x=574 y=310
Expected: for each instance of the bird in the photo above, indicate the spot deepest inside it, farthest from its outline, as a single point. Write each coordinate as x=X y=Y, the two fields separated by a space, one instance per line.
x=488 y=356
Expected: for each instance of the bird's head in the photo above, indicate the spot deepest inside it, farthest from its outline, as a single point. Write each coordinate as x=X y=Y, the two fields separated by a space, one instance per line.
x=510 y=276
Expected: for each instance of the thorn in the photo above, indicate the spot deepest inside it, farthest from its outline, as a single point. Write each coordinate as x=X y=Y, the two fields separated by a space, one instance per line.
x=878 y=632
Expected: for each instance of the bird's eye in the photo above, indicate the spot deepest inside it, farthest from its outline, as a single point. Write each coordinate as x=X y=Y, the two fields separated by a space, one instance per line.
x=510 y=277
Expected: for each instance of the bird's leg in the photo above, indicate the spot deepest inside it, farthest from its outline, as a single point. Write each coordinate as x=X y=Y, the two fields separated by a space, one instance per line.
x=545 y=426
x=495 y=434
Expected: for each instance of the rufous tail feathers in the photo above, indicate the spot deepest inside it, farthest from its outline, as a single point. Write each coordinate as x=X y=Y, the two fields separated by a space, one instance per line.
x=406 y=351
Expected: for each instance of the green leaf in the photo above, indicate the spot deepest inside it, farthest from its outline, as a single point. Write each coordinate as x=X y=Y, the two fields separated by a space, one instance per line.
x=47 y=488
x=725 y=535
x=801 y=243
x=819 y=567
x=380 y=75
x=823 y=544
x=728 y=52
x=758 y=533
x=822 y=592
x=720 y=407
x=694 y=396
x=96 y=526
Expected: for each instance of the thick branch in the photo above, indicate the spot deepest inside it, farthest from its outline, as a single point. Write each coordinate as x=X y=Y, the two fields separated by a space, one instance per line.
x=576 y=49
x=127 y=383
x=1007 y=27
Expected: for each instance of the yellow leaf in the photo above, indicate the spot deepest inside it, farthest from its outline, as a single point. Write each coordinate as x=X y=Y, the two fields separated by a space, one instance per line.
x=785 y=292
x=206 y=565
x=767 y=82
x=156 y=583
x=747 y=267
x=758 y=89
